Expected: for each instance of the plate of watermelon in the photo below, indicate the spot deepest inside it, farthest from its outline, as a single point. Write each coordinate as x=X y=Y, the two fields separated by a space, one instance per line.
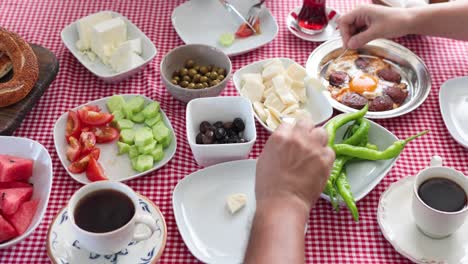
x=25 y=186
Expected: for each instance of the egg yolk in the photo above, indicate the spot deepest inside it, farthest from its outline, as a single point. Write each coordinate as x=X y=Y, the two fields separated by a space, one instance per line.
x=363 y=83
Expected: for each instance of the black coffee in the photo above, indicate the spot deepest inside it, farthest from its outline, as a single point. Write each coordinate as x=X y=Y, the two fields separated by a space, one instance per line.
x=104 y=211
x=443 y=195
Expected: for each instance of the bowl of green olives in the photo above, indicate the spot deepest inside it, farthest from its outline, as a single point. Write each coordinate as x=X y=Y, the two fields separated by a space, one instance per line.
x=195 y=70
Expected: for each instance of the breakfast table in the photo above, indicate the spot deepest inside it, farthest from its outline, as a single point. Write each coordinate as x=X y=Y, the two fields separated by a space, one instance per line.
x=331 y=237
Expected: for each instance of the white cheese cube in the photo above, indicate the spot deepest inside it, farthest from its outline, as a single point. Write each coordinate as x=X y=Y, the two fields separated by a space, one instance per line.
x=271 y=121
x=84 y=26
x=134 y=45
x=274 y=113
x=274 y=102
x=290 y=109
x=251 y=76
x=299 y=91
x=253 y=90
x=273 y=62
x=271 y=71
x=260 y=110
x=235 y=202
x=268 y=84
x=296 y=72
x=300 y=114
x=283 y=91
x=107 y=36
x=267 y=92
x=124 y=59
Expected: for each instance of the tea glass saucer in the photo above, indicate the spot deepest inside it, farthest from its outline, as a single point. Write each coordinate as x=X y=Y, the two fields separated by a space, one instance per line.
x=397 y=225
x=63 y=247
x=330 y=32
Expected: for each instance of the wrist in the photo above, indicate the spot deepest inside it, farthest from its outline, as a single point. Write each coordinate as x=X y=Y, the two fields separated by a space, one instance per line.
x=283 y=204
x=410 y=20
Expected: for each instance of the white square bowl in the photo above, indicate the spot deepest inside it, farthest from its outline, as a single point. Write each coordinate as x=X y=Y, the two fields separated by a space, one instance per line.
x=106 y=73
x=41 y=178
x=223 y=109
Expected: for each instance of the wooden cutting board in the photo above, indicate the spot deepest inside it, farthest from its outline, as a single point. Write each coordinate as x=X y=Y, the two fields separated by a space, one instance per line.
x=12 y=116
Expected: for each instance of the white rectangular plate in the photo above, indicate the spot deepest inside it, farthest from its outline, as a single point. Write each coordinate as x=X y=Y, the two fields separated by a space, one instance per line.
x=117 y=168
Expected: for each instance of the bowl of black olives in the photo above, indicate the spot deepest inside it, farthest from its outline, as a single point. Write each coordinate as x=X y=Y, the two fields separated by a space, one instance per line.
x=220 y=129
x=194 y=71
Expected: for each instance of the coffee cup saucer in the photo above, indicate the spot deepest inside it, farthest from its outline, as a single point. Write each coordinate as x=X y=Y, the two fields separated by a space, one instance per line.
x=330 y=32
x=63 y=247
x=396 y=223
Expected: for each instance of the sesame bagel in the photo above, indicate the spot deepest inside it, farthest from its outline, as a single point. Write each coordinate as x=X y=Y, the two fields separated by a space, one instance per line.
x=5 y=65
x=25 y=68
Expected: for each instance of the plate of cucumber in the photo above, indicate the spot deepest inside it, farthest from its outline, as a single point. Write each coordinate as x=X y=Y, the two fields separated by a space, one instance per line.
x=146 y=138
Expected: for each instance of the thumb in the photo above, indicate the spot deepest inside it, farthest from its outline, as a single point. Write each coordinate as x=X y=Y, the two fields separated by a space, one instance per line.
x=361 y=39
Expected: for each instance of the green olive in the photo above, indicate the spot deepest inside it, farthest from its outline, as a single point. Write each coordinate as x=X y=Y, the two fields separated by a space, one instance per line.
x=191 y=85
x=220 y=77
x=196 y=78
x=215 y=69
x=205 y=84
x=203 y=79
x=189 y=64
x=199 y=86
x=184 y=84
x=177 y=78
x=214 y=75
x=203 y=69
x=221 y=71
x=175 y=74
x=208 y=75
x=187 y=78
x=210 y=68
x=183 y=72
x=214 y=82
x=192 y=72
x=174 y=81
x=196 y=67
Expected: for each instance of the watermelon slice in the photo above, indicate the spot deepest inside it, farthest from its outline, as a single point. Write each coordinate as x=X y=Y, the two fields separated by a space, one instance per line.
x=11 y=199
x=23 y=217
x=7 y=231
x=9 y=185
x=15 y=168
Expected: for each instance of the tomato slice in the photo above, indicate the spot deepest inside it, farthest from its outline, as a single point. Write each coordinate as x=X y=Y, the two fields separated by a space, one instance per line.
x=257 y=26
x=105 y=134
x=94 y=118
x=80 y=165
x=94 y=172
x=73 y=128
x=94 y=108
x=244 y=30
x=73 y=149
x=95 y=153
x=88 y=141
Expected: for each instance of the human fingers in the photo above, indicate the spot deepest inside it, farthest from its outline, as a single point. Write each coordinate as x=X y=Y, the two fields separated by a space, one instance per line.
x=320 y=134
x=304 y=126
x=362 y=38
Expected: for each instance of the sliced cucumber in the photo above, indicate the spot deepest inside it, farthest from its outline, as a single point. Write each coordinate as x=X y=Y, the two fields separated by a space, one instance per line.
x=146 y=149
x=118 y=115
x=138 y=117
x=127 y=111
x=143 y=136
x=144 y=163
x=166 y=141
x=124 y=124
x=123 y=147
x=133 y=162
x=115 y=103
x=136 y=104
x=226 y=39
x=158 y=153
x=152 y=121
x=127 y=136
x=133 y=152
x=151 y=109
x=160 y=131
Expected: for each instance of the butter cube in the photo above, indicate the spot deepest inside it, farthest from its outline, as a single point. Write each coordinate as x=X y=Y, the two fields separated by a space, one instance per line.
x=107 y=36
x=84 y=26
x=272 y=101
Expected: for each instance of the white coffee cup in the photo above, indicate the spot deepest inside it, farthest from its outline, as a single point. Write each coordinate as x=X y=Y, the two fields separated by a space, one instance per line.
x=432 y=222
x=116 y=240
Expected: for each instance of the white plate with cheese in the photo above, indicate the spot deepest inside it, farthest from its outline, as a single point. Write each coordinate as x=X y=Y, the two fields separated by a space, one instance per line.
x=211 y=232
x=279 y=89
x=108 y=36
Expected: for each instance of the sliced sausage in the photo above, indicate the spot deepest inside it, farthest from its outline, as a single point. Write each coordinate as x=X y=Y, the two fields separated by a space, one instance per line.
x=362 y=63
x=389 y=74
x=397 y=92
x=354 y=100
x=337 y=78
x=381 y=103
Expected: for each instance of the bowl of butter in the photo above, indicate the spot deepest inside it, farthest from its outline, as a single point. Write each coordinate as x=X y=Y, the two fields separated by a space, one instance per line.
x=109 y=45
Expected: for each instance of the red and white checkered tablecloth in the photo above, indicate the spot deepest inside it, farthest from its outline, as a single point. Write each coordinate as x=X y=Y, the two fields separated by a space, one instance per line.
x=332 y=237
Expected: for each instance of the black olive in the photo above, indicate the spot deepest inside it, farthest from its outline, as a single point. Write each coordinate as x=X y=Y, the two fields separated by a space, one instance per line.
x=218 y=124
x=239 y=125
x=220 y=133
x=208 y=137
x=205 y=126
x=199 y=139
x=233 y=140
x=242 y=140
x=228 y=125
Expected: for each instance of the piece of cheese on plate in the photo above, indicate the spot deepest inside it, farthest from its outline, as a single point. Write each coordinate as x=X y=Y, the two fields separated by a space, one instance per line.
x=299 y=91
x=84 y=25
x=296 y=72
x=107 y=36
x=235 y=202
x=133 y=44
x=124 y=58
x=283 y=90
x=272 y=62
x=267 y=92
x=290 y=109
x=271 y=121
x=251 y=76
x=300 y=114
x=253 y=90
x=260 y=110
x=272 y=71
x=275 y=113
x=274 y=102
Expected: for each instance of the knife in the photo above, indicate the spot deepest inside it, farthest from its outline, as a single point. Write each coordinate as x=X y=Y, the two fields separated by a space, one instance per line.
x=232 y=10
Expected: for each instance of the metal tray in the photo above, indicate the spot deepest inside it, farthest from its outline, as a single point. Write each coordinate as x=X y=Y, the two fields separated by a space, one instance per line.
x=412 y=69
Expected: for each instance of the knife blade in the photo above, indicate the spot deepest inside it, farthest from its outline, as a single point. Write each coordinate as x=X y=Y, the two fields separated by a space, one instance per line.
x=235 y=13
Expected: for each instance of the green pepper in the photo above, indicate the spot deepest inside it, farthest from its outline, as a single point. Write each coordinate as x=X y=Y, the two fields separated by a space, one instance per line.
x=369 y=154
x=372 y=146
x=360 y=135
x=344 y=190
x=330 y=190
x=341 y=120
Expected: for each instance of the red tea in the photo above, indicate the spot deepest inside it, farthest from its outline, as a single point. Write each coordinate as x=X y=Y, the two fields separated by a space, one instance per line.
x=313 y=16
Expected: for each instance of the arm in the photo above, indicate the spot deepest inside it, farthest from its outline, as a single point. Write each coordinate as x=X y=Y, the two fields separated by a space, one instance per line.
x=369 y=22
x=291 y=173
